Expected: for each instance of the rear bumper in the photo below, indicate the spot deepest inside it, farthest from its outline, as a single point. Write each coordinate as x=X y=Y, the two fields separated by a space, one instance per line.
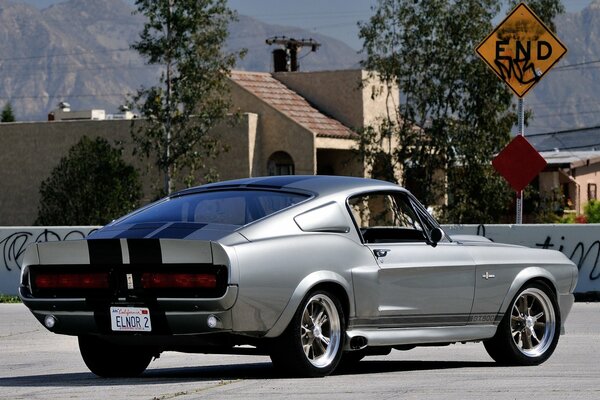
x=170 y=316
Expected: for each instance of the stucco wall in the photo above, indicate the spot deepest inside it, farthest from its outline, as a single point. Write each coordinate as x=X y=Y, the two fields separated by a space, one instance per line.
x=339 y=162
x=276 y=132
x=585 y=175
x=29 y=152
x=340 y=95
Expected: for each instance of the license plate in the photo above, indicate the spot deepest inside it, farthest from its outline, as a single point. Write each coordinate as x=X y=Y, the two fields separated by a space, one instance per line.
x=130 y=319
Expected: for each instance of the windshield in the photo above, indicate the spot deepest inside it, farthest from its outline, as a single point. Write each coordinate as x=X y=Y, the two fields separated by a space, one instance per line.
x=233 y=207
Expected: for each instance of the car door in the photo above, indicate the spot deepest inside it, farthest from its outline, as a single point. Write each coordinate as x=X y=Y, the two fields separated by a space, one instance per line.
x=419 y=283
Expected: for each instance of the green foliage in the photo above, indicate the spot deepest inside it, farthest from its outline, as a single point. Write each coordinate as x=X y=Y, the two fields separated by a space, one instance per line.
x=9 y=299
x=592 y=211
x=546 y=10
x=186 y=37
x=92 y=185
x=454 y=114
x=7 y=114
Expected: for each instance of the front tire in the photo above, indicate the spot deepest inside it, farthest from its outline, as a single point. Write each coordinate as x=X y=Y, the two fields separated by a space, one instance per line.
x=529 y=331
x=109 y=360
x=312 y=344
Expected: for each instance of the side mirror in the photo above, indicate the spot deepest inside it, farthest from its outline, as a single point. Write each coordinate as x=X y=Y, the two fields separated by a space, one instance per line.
x=436 y=234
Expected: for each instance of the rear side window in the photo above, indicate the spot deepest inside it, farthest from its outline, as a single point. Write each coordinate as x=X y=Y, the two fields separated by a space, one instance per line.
x=232 y=207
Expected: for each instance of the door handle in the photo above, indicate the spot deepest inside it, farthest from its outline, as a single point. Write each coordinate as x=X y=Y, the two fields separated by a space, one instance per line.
x=381 y=252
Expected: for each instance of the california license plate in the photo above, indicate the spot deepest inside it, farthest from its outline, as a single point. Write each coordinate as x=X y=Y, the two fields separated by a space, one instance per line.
x=130 y=319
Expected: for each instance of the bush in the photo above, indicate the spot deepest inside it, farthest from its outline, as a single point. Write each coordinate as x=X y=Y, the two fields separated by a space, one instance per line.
x=592 y=211
x=9 y=299
x=92 y=185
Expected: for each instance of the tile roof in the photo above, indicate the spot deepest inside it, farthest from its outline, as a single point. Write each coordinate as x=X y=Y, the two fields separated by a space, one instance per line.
x=290 y=103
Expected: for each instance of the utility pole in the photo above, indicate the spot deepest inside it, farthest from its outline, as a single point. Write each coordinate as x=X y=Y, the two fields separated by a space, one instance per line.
x=289 y=52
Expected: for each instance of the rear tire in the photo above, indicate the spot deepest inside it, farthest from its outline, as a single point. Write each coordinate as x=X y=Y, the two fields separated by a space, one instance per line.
x=110 y=360
x=529 y=331
x=312 y=344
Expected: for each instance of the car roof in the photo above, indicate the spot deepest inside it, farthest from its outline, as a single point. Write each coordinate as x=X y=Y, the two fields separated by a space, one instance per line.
x=320 y=184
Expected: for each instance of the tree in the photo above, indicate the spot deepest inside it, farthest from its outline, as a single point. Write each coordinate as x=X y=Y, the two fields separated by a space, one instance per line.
x=454 y=114
x=7 y=114
x=186 y=37
x=92 y=185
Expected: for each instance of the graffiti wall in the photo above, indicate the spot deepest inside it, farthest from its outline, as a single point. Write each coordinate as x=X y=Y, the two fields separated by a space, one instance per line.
x=579 y=242
x=14 y=241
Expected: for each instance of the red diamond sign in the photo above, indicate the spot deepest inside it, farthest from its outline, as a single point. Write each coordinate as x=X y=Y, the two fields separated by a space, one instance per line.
x=519 y=163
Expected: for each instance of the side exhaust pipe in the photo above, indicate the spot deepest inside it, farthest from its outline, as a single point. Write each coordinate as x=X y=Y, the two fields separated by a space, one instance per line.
x=358 y=342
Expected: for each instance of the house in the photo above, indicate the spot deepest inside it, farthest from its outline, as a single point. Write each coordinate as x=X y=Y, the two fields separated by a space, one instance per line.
x=576 y=174
x=573 y=165
x=290 y=123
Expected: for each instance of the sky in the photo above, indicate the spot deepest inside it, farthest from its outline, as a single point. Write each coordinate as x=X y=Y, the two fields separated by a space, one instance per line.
x=335 y=18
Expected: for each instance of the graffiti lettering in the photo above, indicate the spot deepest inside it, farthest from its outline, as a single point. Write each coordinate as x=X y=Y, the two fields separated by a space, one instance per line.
x=14 y=245
x=520 y=64
x=481 y=230
x=583 y=255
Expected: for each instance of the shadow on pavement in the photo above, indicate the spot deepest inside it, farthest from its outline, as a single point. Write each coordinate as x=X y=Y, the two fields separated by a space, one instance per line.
x=227 y=372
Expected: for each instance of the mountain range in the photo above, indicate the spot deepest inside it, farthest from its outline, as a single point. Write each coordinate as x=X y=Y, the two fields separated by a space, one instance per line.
x=79 y=51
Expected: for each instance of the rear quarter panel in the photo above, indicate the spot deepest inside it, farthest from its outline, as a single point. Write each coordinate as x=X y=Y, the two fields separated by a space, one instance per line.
x=276 y=273
x=512 y=267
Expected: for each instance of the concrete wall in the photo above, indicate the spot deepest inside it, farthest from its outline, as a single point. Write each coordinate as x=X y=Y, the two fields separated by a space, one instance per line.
x=14 y=241
x=29 y=151
x=579 y=242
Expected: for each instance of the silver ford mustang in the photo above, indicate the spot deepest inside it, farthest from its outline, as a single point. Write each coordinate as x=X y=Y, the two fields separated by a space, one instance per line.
x=314 y=271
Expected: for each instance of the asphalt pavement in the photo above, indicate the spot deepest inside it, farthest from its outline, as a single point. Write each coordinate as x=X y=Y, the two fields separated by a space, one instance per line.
x=36 y=364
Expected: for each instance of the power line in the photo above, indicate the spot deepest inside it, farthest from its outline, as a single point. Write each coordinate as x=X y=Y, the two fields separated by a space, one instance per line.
x=574 y=130
x=573 y=66
x=569 y=114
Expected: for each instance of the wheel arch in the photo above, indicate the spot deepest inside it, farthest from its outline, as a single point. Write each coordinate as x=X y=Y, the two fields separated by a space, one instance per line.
x=525 y=277
x=326 y=280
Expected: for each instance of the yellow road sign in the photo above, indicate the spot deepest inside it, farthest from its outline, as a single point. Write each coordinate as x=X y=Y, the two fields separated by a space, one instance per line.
x=521 y=50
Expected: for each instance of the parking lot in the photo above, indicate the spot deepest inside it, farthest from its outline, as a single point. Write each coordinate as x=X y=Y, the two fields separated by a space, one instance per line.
x=36 y=364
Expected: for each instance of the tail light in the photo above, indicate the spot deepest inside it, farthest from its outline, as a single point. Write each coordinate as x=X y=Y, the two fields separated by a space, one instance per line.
x=97 y=280
x=157 y=280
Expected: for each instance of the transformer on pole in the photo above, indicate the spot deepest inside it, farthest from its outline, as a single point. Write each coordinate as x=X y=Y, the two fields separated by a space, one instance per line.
x=286 y=59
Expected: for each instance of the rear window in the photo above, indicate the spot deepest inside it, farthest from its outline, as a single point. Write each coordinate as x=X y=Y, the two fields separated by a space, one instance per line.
x=233 y=207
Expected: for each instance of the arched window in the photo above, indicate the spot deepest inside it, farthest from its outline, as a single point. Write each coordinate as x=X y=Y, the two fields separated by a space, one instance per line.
x=280 y=163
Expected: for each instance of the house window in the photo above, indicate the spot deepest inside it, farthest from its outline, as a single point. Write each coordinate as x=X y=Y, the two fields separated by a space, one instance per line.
x=280 y=163
x=592 y=191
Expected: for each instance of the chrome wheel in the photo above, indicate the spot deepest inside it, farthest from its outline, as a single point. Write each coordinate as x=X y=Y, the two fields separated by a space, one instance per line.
x=320 y=331
x=532 y=322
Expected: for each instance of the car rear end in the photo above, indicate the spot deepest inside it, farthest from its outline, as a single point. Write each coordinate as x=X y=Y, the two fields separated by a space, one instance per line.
x=125 y=287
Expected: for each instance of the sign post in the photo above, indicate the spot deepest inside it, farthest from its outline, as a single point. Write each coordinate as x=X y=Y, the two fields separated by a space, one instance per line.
x=520 y=51
x=521 y=132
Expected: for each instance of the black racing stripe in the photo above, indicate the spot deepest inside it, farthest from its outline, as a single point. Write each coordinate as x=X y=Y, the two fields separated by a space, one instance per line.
x=144 y=251
x=105 y=251
x=178 y=230
x=139 y=230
